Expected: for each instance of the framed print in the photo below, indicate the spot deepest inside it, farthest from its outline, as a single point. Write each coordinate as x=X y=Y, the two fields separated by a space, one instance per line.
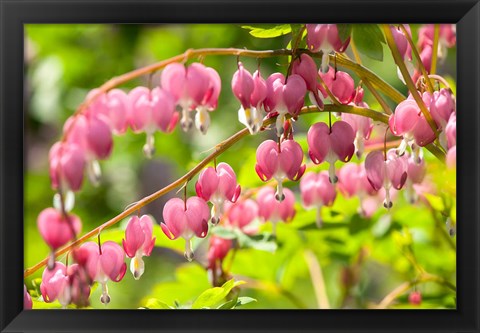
x=165 y=167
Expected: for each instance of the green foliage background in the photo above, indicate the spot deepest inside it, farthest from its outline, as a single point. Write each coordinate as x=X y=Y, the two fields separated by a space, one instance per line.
x=64 y=62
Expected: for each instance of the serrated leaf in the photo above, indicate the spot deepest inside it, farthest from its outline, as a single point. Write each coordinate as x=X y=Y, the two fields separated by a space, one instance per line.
x=268 y=31
x=211 y=297
x=344 y=31
x=154 y=303
x=368 y=39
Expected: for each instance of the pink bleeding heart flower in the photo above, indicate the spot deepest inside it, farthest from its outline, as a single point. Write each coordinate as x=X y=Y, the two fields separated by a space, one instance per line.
x=353 y=182
x=325 y=38
x=92 y=133
x=386 y=172
x=442 y=105
x=401 y=41
x=209 y=101
x=57 y=229
x=191 y=86
x=151 y=110
x=331 y=144
x=416 y=171
x=67 y=164
x=218 y=185
x=138 y=242
x=284 y=96
x=317 y=191
x=451 y=158
x=64 y=284
x=451 y=131
x=362 y=126
x=105 y=262
x=415 y=298
x=340 y=84
x=186 y=219
x=270 y=209
x=307 y=69
x=217 y=251
x=241 y=215
x=279 y=162
x=409 y=122
x=113 y=105
x=251 y=91
x=447 y=38
x=54 y=285
x=27 y=299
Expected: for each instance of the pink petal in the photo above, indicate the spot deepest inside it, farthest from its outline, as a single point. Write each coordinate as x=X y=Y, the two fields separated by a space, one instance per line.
x=318 y=138
x=375 y=168
x=341 y=139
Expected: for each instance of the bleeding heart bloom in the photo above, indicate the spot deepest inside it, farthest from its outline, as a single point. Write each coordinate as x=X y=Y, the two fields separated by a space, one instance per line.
x=279 y=162
x=192 y=86
x=451 y=131
x=251 y=91
x=67 y=163
x=362 y=126
x=217 y=251
x=325 y=38
x=113 y=105
x=401 y=41
x=57 y=229
x=55 y=285
x=331 y=144
x=353 y=182
x=340 y=84
x=270 y=209
x=27 y=299
x=415 y=298
x=284 y=96
x=241 y=215
x=386 y=171
x=105 y=262
x=186 y=219
x=138 y=242
x=447 y=38
x=442 y=105
x=416 y=173
x=317 y=191
x=209 y=101
x=409 y=122
x=92 y=133
x=451 y=158
x=218 y=185
x=307 y=69
x=151 y=110
x=79 y=284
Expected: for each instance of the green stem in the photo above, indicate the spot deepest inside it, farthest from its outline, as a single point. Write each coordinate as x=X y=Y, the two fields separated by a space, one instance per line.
x=408 y=80
x=436 y=33
x=419 y=60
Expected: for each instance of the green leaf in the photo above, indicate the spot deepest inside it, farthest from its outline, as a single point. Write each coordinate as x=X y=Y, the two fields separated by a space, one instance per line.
x=357 y=224
x=223 y=232
x=244 y=300
x=211 y=297
x=154 y=303
x=263 y=242
x=268 y=30
x=435 y=201
x=344 y=31
x=368 y=39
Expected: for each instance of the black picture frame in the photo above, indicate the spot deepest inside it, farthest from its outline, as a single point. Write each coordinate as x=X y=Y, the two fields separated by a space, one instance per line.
x=16 y=13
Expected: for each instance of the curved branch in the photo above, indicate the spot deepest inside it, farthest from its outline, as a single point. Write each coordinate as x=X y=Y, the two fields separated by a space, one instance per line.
x=404 y=287
x=219 y=149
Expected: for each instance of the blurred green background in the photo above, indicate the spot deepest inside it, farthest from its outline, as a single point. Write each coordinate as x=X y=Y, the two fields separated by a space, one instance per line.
x=64 y=62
